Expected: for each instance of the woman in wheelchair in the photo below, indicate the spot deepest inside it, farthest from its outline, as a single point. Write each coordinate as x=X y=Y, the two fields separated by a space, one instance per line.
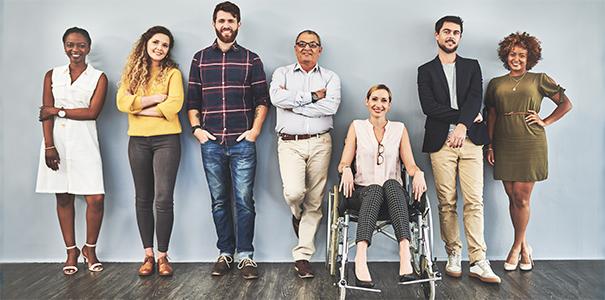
x=378 y=147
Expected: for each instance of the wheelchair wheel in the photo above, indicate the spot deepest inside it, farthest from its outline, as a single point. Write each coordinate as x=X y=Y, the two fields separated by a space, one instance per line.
x=333 y=231
x=426 y=272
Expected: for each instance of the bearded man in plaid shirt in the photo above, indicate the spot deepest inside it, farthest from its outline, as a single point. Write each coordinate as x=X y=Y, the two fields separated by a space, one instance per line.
x=227 y=104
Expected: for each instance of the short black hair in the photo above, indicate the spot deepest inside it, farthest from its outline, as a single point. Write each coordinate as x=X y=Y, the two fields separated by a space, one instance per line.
x=452 y=19
x=79 y=30
x=227 y=7
x=309 y=31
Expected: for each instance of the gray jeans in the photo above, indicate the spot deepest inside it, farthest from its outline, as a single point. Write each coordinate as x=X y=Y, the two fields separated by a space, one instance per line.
x=154 y=162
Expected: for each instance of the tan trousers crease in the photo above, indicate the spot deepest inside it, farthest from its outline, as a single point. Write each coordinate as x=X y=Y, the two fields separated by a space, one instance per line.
x=466 y=163
x=303 y=166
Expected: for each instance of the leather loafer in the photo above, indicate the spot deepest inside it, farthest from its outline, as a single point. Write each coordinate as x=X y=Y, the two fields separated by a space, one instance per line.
x=407 y=277
x=164 y=267
x=147 y=267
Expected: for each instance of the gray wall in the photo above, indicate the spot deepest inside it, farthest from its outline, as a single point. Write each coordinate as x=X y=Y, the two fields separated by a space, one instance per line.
x=364 y=45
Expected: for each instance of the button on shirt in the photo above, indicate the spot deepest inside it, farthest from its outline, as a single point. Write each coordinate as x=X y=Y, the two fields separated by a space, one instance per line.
x=226 y=87
x=291 y=88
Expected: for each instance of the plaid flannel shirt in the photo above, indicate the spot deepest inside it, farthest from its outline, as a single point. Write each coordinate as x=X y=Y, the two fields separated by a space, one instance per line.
x=226 y=87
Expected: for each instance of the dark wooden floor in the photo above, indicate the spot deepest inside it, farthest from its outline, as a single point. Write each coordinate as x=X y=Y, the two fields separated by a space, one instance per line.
x=549 y=280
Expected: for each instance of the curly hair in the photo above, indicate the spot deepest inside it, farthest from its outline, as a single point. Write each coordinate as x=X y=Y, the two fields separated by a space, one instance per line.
x=525 y=41
x=137 y=72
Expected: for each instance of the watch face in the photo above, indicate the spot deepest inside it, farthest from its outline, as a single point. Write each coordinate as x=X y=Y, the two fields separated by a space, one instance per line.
x=61 y=113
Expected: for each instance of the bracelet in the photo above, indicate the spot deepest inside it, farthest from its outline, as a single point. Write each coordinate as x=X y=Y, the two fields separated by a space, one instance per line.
x=50 y=147
x=194 y=128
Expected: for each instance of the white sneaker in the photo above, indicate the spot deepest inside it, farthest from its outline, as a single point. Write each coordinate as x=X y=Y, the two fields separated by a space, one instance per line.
x=483 y=271
x=453 y=267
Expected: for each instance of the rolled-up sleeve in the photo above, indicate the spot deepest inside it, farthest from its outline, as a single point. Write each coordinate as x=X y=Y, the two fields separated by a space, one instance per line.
x=194 y=86
x=170 y=107
x=258 y=83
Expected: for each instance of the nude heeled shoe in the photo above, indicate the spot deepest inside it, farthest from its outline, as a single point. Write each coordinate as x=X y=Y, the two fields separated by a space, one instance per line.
x=512 y=267
x=530 y=265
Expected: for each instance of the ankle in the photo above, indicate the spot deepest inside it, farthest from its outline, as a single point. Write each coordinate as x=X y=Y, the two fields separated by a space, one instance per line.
x=162 y=254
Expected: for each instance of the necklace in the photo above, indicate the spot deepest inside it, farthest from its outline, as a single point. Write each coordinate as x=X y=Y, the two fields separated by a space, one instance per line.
x=517 y=81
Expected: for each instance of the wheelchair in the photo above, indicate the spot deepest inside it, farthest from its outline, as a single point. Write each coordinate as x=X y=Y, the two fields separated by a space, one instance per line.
x=421 y=241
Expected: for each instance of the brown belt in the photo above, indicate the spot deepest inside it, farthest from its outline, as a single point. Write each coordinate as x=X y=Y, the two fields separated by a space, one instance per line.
x=296 y=137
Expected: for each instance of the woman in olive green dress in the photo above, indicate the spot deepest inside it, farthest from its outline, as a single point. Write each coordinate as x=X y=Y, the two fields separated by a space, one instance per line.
x=519 y=151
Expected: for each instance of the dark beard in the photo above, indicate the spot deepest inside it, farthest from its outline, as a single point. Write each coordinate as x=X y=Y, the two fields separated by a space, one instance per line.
x=447 y=50
x=223 y=39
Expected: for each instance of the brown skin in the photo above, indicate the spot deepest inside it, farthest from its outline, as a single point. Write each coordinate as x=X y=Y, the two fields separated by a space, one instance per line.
x=519 y=193
x=76 y=48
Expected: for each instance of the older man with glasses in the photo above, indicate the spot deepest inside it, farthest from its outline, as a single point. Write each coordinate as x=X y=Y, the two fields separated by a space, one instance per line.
x=306 y=97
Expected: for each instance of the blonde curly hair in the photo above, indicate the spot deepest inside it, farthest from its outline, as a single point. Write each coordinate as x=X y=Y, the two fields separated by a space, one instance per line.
x=137 y=72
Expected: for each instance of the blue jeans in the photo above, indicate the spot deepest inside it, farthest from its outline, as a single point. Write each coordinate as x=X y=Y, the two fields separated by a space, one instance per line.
x=232 y=167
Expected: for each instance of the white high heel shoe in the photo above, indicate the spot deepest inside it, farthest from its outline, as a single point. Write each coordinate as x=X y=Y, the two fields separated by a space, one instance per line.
x=530 y=265
x=512 y=267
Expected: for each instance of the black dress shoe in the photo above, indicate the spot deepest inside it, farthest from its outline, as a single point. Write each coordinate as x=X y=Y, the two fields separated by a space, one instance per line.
x=407 y=277
x=363 y=284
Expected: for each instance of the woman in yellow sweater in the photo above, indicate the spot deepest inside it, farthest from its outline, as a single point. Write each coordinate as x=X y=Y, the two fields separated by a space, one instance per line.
x=151 y=93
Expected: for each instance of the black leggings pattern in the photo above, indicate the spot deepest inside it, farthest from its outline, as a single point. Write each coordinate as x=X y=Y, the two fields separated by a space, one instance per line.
x=370 y=202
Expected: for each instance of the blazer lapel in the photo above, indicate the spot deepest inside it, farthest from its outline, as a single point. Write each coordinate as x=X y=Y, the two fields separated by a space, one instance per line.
x=442 y=79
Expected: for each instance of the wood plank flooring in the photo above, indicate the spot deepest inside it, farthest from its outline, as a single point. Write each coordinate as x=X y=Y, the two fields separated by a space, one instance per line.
x=549 y=280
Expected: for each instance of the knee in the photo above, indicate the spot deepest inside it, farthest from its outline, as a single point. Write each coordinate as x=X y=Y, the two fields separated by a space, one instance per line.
x=294 y=195
x=391 y=184
x=95 y=201
x=164 y=205
x=520 y=199
x=64 y=201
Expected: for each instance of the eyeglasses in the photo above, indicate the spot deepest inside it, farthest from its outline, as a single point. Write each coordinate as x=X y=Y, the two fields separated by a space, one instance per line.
x=312 y=45
x=380 y=157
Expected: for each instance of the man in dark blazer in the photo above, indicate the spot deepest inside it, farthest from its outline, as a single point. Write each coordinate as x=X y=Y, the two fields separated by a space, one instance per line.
x=450 y=91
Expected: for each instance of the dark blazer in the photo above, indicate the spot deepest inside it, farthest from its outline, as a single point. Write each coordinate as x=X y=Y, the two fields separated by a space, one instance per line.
x=436 y=104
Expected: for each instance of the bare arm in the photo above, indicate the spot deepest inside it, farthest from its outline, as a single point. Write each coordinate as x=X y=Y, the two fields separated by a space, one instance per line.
x=260 y=114
x=491 y=124
x=347 y=185
x=196 y=120
x=89 y=113
x=407 y=157
x=50 y=153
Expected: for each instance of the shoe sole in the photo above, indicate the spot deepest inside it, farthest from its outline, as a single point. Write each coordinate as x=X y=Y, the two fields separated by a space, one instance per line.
x=454 y=274
x=483 y=279
x=303 y=276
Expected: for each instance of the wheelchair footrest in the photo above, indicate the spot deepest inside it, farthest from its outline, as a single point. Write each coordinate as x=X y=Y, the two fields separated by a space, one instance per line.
x=352 y=287
x=420 y=280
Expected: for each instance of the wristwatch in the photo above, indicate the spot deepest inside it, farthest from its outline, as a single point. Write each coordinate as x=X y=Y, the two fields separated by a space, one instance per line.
x=61 y=113
x=314 y=97
x=195 y=127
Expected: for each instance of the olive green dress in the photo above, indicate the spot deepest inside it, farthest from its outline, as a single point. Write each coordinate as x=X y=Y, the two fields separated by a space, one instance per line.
x=520 y=150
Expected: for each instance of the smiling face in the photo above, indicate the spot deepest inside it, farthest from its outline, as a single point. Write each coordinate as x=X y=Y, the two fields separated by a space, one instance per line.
x=448 y=37
x=226 y=27
x=308 y=49
x=517 y=59
x=379 y=103
x=157 y=47
x=76 y=47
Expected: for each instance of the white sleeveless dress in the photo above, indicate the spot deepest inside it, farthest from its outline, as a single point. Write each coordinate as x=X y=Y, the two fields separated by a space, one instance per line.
x=80 y=167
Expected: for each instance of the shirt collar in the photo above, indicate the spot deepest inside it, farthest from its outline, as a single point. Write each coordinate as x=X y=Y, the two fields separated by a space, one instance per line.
x=297 y=67
x=235 y=47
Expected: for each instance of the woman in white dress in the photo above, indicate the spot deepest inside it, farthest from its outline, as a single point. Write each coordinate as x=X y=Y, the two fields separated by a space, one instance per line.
x=70 y=160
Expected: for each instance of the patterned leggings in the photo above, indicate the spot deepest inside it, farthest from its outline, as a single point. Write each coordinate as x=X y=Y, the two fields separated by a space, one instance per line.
x=370 y=202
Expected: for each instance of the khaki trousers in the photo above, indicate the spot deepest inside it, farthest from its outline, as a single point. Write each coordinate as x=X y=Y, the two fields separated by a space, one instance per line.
x=467 y=163
x=303 y=165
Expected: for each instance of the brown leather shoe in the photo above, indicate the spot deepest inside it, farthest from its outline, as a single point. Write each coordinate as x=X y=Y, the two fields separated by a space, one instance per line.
x=248 y=268
x=147 y=267
x=164 y=267
x=295 y=224
x=222 y=265
x=303 y=268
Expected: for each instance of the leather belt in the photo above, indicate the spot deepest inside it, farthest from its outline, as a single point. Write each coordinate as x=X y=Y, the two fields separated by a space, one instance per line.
x=296 y=137
x=513 y=113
